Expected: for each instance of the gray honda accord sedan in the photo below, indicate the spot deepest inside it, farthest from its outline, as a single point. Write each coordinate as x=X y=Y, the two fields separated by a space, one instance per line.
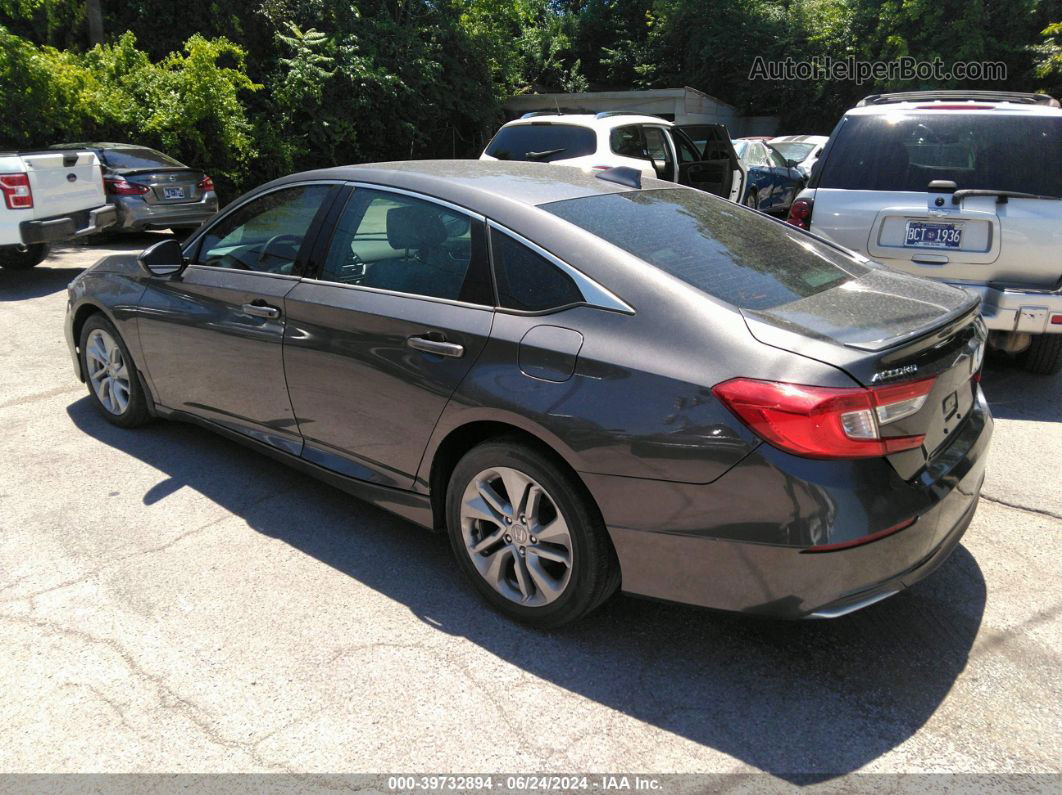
x=591 y=381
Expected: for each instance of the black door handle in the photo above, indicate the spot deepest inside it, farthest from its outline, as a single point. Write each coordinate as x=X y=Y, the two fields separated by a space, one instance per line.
x=260 y=308
x=440 y=347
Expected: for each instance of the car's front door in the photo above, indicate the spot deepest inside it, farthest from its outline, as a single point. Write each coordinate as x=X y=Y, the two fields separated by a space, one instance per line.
x=375 y=346
x=712 y=176
x=212 y=337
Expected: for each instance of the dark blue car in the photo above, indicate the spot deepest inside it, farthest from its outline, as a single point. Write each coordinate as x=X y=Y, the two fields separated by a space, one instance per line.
x=773 y=182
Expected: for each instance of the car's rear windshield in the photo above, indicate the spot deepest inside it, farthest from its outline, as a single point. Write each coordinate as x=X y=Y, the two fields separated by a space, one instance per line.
x=542 y=142
x=992 y=150
x=737 y=255
x=138 y=158
x=794 y=151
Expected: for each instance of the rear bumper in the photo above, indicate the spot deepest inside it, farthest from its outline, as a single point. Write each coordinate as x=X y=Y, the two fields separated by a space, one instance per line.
x=712 y=550
x=135 y=214
x=1027 y=311
x=65 y=227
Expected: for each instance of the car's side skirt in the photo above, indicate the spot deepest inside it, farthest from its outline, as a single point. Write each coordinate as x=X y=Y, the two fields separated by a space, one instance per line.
x=407 y=504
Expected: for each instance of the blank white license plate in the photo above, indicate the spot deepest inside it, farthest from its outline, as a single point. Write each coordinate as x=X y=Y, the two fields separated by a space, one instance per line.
x=928 y=234
x=173 y=193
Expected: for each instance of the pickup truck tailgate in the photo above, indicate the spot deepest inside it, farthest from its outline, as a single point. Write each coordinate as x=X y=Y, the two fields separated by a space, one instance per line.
x=64 y=182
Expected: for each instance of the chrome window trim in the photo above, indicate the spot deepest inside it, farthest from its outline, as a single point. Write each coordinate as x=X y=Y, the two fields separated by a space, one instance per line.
x=216 y=269
x=593 y=293
x=397 y=294
x=243 y=202
x=423 y=197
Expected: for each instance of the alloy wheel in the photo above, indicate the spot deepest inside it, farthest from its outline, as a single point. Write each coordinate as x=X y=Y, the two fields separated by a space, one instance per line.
x=516 y=537
x=107 y=371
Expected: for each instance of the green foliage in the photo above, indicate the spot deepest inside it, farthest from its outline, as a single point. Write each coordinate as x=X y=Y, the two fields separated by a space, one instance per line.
x=252 y=89
x=186 y=104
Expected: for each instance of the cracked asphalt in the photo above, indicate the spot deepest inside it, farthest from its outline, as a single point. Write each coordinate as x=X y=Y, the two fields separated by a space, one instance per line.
x=172 y=602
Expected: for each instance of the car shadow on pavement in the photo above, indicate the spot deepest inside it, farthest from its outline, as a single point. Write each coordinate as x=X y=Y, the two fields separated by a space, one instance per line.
x=34 y=283
x=805 y=701
x=1014 y=394
x=51 y=276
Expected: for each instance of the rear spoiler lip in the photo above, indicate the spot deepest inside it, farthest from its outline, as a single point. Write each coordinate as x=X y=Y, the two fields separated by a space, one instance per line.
x=942 y=324
x=132 y=172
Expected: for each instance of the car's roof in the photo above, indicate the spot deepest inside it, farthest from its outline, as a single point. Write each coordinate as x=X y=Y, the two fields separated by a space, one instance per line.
x=99 y=145
x=606 y=122
x=481 y=184
x=955 y=106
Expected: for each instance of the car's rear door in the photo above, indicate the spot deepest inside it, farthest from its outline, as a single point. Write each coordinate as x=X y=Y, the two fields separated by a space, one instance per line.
x=375 y=345
x=873 y=193
x=212 y=337
x=713 y=143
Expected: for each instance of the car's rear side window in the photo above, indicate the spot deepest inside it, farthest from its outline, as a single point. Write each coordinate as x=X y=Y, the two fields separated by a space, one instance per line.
x=741 y=257
x=990 y=150
x=542 y=142
x=527 y=281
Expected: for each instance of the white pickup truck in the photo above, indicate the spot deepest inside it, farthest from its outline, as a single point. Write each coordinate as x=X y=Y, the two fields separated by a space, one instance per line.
x=47 y=197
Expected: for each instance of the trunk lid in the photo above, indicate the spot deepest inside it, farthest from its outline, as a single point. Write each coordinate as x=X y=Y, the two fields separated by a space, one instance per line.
x=64 y=182
x=167 y=185
x=887 y=328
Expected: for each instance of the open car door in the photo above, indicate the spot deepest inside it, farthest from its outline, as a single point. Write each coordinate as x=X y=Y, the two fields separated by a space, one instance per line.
x=713 y=165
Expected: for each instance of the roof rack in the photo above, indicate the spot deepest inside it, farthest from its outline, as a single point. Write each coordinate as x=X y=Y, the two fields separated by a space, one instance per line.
x=535 y=113
x=607 y=113
x=960 y=96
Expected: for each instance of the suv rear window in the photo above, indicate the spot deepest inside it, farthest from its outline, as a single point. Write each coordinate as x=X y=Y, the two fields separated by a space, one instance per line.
x=905 y=152
x=744 y=258
x=542 y=142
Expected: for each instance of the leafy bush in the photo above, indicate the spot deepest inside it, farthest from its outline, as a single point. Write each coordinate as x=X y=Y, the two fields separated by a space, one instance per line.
x=189 y=104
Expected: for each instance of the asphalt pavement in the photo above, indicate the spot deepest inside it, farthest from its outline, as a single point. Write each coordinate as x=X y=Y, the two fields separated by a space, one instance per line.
x=171 y=601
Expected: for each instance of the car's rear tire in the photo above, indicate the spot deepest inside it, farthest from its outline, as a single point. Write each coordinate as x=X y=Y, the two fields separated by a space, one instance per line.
x=110 y=374
x=753 y=199
x=547 y=560
x=1044 y=355
x=22 y=258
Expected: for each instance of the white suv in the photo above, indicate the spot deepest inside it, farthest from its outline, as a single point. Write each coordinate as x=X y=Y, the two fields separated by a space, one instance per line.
x=960 y=186
x=698 y=155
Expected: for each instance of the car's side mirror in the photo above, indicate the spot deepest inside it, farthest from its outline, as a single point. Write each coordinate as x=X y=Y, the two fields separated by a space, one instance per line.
x=792 y=163
x=163 y=259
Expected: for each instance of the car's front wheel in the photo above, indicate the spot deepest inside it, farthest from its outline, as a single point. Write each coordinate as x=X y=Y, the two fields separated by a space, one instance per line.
x=113 y=383
x=527 y=535
x=22 y=258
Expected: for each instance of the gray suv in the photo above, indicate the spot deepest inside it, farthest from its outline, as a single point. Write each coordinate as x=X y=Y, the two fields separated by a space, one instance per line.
x=151 y=190
x=963 y=187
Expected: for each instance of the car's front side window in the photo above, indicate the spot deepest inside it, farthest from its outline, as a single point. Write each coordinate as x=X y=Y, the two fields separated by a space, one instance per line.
x=264 y=235
x=391 y=241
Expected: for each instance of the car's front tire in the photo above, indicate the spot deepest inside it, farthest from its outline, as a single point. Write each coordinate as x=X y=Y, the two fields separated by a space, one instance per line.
x=22 y=258
x=527 y=534
x=111 y=376
x=1044 y=355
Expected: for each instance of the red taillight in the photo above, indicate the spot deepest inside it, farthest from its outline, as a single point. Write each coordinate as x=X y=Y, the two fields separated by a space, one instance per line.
x=1056 y=320
x=826 y=422
x=118 y=186
x=206 y=183
x=800 y=213
x=18 y=195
